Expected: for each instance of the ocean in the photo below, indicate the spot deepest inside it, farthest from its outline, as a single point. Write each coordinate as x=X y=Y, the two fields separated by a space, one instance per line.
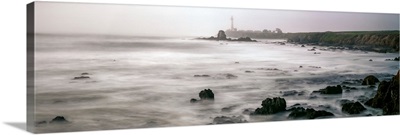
x=141 y=82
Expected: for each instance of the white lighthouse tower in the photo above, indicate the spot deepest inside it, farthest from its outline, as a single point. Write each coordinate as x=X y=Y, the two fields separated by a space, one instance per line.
x=232 y=28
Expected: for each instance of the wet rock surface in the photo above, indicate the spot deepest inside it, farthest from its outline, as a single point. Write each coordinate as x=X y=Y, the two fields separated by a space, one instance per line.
x=229 y=108
x=248 y=71
x=59 y=119
x=85 y=73
x=205 y=94
x=201 y=75
x=271 y=106
x=81 y=77
x=370 y=80
x=221 y=36
x=353 y=107
x=330 y=90
x=309 y=113
x=193 y=100
x=229 y=120
x=292 y=93
x=387 y=97
x=40 y=123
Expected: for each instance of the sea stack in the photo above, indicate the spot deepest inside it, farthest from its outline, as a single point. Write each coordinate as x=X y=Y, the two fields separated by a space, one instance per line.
x=221 y=35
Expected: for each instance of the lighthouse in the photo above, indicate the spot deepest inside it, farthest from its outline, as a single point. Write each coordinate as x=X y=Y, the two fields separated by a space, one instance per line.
x=232 y=28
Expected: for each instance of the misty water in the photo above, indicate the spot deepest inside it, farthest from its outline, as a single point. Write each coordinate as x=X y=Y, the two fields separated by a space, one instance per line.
x=138 y=82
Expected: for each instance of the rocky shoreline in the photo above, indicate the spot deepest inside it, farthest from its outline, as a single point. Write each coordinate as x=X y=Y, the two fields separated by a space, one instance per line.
x=221 y=36
x=386 y=98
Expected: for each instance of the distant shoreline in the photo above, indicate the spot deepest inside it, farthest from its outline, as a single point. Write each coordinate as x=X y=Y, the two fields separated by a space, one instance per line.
x=376 y=41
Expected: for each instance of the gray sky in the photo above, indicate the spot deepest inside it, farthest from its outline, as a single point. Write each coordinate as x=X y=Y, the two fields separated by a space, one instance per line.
x=188 y=21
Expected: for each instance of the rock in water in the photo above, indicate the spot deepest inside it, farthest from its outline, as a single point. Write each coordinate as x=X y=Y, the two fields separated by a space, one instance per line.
x=353 y=108
x=206 y=94
x=81 y=77
x=40 y=123
x=370 y=80
x=227 y=120
x=221 y=35
x=193 y=100
x=59 y=119
x=271 y=106
x=332 y=90
x=309 y=113
x=387 y=97
x=85 y=73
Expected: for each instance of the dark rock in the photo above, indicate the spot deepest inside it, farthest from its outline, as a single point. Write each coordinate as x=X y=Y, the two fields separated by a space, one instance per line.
x=344 y=101
x=85 y=73
x=300 y=66
x=396 y=59
x=221 y=35
x=362 y=98
x=297 y=104
x=303 y=46
x=229 y=108
x=370 y=59
x=59 y=119
x=236 y=62
x=288 y=93
x=201 y=76
x=245 y=39
x=312 y=97
x=349 y=88
x=230 y=76
x=292 y=107
x=193 y=100
x=271 y=106
x=206 y=94
x=301 y=93
x=370 y=80
x=309 y=113
x=353 y=108
x=247 y=71
x=324 y=106
x=387 y=97
x=81 y=77
x=291 y=93
x=273 y=69
x=229 y=120
x=332 y=90
x=314 y=67
x=40 y=123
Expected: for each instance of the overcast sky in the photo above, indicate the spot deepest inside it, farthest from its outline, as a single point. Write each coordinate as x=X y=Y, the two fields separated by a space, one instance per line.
x=189 y=21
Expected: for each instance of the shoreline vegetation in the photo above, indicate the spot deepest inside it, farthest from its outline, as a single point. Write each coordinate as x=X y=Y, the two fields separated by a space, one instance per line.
x=377 y=41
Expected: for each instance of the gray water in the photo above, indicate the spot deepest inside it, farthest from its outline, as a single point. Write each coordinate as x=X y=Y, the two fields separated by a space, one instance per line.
x=138 y=82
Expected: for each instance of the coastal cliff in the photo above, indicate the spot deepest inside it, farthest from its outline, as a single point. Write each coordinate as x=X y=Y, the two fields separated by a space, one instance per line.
x=382 y=41
x=378 y=41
